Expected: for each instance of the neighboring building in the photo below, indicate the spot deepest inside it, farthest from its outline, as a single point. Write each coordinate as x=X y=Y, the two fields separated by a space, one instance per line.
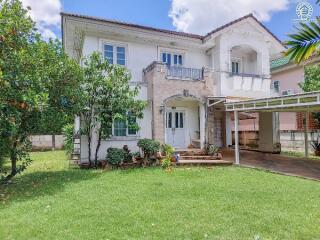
x=286 y=77
x=184 y=77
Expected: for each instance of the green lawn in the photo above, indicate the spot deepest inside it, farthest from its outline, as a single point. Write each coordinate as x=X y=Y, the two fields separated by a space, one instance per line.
x=299 y=155
x=51 y=201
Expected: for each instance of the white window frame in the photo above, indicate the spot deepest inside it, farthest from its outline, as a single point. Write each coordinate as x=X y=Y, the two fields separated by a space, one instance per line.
x=239 y=61
x=115 y=45
x=127 y=130
x=173 y=52
x=273 y=83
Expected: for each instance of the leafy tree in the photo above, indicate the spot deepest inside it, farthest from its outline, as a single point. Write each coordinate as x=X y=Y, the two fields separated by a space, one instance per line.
x=311 y=78
x=107 y=96
x=306 y=42
x=34 y=76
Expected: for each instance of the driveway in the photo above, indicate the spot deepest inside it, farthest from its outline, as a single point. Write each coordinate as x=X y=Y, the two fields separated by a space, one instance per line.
x=277 y=163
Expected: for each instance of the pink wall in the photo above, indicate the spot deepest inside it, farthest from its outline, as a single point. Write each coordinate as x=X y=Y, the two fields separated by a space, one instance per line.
x=289 y=79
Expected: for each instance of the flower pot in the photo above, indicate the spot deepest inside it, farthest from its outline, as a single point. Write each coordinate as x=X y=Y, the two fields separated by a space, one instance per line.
x=317 y=152
x=84 y=165
x=103 y=164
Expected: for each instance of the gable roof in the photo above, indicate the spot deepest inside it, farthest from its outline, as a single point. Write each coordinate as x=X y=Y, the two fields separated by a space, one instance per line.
x=177 y=33
x=125 y=24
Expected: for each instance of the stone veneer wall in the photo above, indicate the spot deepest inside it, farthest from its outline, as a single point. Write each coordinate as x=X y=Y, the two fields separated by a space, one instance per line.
x=161 y=88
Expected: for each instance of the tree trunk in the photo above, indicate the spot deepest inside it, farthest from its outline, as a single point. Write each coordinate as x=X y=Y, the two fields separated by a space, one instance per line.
x=13 y=158
x=97 y=148
x=89 y=148
x=53 y=142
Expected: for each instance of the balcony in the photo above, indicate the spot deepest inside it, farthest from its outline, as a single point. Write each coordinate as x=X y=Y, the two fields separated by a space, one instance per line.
x=182 y=73
x=250 y=82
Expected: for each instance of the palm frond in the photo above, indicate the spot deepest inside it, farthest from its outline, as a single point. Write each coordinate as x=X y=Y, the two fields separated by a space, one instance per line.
x=303 y=44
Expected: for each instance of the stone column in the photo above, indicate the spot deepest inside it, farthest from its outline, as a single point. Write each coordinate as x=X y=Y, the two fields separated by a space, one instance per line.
x=158 y=107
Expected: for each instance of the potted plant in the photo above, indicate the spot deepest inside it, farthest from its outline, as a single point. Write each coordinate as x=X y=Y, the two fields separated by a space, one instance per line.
x=149 y=148
x=316 y=147
x=103 y=163
x=214 y=151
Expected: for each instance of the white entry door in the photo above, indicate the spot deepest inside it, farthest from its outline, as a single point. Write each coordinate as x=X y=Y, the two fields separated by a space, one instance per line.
x=175 y=128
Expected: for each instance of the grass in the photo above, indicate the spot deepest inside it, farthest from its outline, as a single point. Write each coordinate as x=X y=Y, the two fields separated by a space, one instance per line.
x=299 y=155
x=51 y=201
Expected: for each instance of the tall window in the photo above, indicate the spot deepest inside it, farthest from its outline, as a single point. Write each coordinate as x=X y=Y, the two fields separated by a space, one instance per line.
x=235 y=67
x=276 y=86
x=119 y=127
x=122 y=128
x=132 y=120
x=115 y=54
x=172 y=59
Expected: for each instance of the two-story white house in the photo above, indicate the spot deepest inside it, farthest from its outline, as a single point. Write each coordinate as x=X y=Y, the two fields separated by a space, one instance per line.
x=186 y=78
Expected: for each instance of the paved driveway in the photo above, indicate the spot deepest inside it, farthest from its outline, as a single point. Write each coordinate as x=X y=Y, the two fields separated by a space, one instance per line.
x=278 y=163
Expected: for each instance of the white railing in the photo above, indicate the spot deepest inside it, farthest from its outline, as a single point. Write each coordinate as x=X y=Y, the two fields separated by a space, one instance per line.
x=184 y=73
x=296 y=102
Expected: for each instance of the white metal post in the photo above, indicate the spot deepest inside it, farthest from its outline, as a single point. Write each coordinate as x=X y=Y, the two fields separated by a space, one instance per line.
x=228 y=130
x=306 y=144
x=236 y=137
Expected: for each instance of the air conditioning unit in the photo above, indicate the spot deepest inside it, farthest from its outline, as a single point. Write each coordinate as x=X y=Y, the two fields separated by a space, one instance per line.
x=287 y=92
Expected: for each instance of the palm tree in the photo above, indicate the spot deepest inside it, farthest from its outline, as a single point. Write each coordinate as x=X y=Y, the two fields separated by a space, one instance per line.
x=306 y=42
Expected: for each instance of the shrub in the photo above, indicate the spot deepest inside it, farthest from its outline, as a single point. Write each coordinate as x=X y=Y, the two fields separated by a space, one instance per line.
x=166 y=163
x=115 y=156
x=128 y=155
x=149 y=147
x=67 y=132
x=213 y=149
x=136 y=154
x=167 y=150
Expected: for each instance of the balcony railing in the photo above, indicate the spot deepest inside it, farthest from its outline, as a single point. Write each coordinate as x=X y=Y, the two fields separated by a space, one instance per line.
x=184 y=73
x=245 y=75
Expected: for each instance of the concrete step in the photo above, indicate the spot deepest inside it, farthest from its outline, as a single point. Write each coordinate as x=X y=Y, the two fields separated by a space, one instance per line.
x=198 y=157
x=191 y=152
x=205 y=162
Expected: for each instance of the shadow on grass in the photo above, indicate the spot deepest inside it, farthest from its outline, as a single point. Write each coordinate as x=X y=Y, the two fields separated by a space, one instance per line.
x=42 y=183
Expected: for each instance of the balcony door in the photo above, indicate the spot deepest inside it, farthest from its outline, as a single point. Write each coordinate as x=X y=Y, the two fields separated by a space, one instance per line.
x=175 y=128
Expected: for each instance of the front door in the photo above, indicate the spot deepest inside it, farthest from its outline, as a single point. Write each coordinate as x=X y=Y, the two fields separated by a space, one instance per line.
x=175 y=128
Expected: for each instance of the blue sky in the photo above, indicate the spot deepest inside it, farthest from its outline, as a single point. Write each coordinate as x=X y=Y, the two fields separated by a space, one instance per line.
x=201 y=17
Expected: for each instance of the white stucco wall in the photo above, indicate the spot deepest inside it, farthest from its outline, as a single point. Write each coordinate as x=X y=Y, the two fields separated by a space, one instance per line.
x=139 y=56
x=244 y=35
x=140 y=53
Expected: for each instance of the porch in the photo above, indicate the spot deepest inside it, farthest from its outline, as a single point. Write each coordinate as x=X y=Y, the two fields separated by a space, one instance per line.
x=184 y=122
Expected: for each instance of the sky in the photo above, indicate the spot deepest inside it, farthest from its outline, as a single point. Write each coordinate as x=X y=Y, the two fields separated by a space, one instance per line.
x=194 y=16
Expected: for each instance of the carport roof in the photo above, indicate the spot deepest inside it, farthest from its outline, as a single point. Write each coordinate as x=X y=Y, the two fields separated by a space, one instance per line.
x=302 y=102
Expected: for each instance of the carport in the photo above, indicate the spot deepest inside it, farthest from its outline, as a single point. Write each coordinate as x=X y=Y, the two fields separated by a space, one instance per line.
x=268 y=109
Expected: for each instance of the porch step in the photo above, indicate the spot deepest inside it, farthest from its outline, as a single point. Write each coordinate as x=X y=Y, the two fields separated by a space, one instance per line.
x=205 y=162
x=198 y=157
x=191 y=152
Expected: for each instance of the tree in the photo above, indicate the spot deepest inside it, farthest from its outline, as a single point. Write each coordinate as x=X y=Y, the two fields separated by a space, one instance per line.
x=107 y=96
x=305 y=42
x=34 y=76
x=311 y=78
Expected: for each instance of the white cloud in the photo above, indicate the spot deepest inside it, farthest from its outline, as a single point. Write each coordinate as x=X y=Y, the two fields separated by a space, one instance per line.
x=46 y=13
x=202 y=16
